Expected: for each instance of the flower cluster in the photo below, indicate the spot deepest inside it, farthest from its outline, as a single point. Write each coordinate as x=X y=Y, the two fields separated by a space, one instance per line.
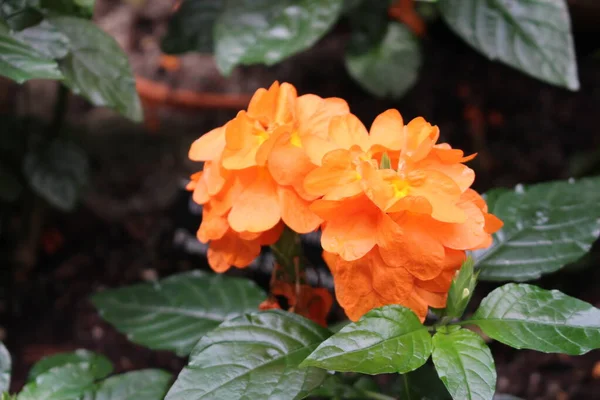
x=396 y=209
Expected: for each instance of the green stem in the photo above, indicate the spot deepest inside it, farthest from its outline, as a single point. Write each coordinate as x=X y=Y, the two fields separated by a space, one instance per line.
x=376 y=396
x=288 y=253
x=406 y=388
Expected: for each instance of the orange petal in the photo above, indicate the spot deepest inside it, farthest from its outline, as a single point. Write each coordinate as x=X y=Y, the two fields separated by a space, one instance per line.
x=316 y=148
x=387 y=130
x=214 y=176
x=286 y=104
x=262 y=104
x=419 y=138
x=440 y=191
x=288 y=164
x=231 y=251
x=392 y=284
x=196 y=176
x=213 y=226
x=241 y=143
x=433 y=299
x=441 y=283
x=314 y=114
x=337 y=170
x=492 y=223
x=295 y=211
x=347 y=131
x=200 y=194
x=271 y=236
x=208 y=146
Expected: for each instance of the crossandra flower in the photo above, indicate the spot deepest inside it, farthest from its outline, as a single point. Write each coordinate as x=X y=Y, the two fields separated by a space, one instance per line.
x=398 y=212
x=254 y=167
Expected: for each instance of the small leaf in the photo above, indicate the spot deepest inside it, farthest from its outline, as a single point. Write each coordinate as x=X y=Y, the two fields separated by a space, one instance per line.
x=526 y=316
x=533 y=36
x=461 y=290
x=385 y=161
x=66 y=382
x=175 y=313
x=388 y=339
x=254 y=356
x=98 y=365
x=5 y=368
x=21 y=62
x=465 y=365
x=266 y=32
x=389 y=67
x=191 y=27
x=546 y=226
x=148 y=384
x=10 y=187
x=58 y=173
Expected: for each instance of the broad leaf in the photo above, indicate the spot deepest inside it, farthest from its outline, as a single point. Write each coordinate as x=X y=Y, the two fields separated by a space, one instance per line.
x=21 y=62
x=191 y=27
x=526 y=316
x=385 y=340
x=46 y=39
x=546 y=226
x=58 y=173
x=421 y=384
x=533 y=36
x=266 y=31
x=461 y=290
x=66 y=382
x=254 y=356
x=175 y=313
x=465 y=365
x=149 y=384
x=19 y=14
x=388 y=67
x=98 y=365
x=5 y=368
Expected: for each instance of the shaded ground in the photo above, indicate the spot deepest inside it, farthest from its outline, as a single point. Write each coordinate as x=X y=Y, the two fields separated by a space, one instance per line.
x=135 y=221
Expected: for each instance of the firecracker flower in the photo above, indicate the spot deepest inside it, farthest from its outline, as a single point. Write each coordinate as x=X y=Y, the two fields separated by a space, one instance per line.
x=254 y=167
x=398 y=212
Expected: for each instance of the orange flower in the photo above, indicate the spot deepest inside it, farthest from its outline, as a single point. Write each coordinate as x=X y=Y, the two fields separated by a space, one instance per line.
x=398 y=212
x=254 y=167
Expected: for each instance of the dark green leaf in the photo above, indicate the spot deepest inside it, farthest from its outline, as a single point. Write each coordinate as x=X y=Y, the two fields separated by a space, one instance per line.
x=98 y=365
x=546 y=226
x=66 y=382
x=191 y=27
x=96 y=67
x=421 y=384
x=266 y=31
x=76 y=8
x=10 y=187
x=254 y=356
x=149 y=384
x=46 y=39
x=58 y=173
x=5 y=368
x=335 y=387
x=533 y=36
x=389 y=67
x=19 y=14
x=175 y=313
x=526 y=316
x=461 y=290
x=465 y=365
x=20 y=62
x=385 y=340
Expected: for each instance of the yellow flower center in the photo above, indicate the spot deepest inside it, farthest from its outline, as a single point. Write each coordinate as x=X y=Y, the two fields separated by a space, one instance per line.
x=295 y=139
x=401 y=188
x=262 y=136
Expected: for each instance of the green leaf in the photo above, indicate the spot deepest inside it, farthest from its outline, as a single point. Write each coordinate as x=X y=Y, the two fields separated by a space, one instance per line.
x=254 y=356
x=20 y=62
x=533 y=36
x=546 y=226
x=148 y=384
x=336 y=388
x=175 y=313
x=266 y=32
x=385 y=161
x=526 y=316
x=66 y=382
x=58 y=173
x=388 y=339
x=421 y=384
x=5 y=368
x=98 y=365
x=19 y=14
x=191 y=27
x=76 y=8
x=461 y=290
x=46 y=39
x=465 y=365
x=96 y=67
x=10 y=186
x=389 y=67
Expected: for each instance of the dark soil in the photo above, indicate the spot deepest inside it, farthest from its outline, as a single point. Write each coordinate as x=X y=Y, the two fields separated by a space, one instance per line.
x=136 y=224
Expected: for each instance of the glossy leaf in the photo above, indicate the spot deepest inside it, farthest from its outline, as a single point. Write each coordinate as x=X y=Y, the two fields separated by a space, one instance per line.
x=390 y=66
x=46 y=39
x=465 y=365
x=526 y=316
x=546 y=226
x=21 y=62
x=66 y=382
x=58 y=173
x=98 y=365
x=253 y=356
x=5 y=368
x=461 y=290
x=191 y=27
x=385 y=340
x=96 y=67
x=149 y=384
x=533 y=36
x=266 y=32
x=175 y=313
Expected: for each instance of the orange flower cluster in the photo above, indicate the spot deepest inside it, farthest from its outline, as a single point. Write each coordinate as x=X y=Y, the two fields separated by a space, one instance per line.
x=396 y=209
